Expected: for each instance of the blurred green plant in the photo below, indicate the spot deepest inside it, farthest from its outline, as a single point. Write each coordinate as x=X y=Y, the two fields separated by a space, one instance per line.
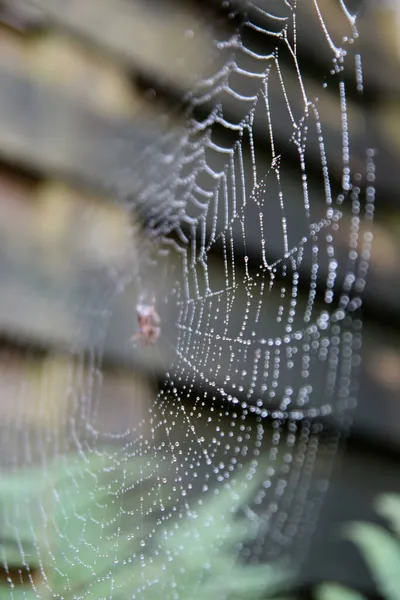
x=334 y=591
x=79 y=531
x=380 y=549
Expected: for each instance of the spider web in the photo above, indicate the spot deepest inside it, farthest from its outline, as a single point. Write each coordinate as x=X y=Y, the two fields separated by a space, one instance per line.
x=257 y=293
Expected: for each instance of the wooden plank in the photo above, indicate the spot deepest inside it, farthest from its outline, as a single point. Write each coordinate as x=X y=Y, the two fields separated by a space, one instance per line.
x=49 y=404
x=57 y=296
x=75 y=69
x=174 y=50
x=80 y=73
x=21 y=15
x=67 y=257
x=45 y=130
x=364 y=126
x=79 y=292
x=41 y=128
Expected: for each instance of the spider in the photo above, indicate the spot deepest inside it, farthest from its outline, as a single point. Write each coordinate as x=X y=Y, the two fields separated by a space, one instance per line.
x=149 y=324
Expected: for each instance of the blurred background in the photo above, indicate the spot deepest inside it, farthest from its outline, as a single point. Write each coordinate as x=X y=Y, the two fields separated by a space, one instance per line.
x=102 y=103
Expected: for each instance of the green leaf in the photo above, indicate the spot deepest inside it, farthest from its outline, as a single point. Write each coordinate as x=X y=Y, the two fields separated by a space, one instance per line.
x=334 y=591
x=381 y=551
x=388 y=506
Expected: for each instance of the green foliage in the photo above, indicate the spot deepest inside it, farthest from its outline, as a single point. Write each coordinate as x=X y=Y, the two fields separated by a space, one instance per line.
x=388 y=506
x=84 y=523
x=380 y=549
x=334 y=591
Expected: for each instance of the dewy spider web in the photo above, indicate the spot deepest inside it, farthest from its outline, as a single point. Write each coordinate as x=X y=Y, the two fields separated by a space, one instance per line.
x=258 y=361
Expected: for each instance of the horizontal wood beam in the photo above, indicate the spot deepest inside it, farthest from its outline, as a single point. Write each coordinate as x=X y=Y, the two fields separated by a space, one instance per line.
x=156 y=60
x=70 y=302
x=174 y=50
x=45 y=130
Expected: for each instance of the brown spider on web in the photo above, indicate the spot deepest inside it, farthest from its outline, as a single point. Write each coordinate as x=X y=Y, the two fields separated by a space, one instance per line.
x=149 y=323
